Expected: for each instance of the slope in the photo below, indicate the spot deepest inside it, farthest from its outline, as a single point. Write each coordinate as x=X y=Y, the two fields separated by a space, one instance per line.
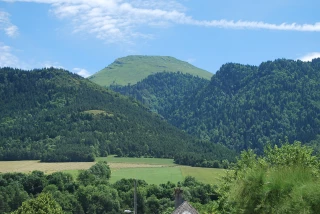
x=247 y=106
x=163 y=92
x=53 y=115
x=131 y=69
x=242 y=106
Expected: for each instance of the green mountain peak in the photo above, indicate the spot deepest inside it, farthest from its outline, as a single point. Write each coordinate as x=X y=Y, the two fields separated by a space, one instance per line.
x=134 y=68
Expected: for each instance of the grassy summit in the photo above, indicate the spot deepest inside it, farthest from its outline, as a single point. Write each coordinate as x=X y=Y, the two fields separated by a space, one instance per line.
x=131 y=69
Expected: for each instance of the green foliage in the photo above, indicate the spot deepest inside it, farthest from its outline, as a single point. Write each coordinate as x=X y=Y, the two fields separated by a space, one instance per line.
x=98 y=199
x=286 y=180
x=163 y=92
x=248 y=106
x=11 y=196
x=53 y=115
x=131 y=69
x=100 y=170
x=97 y=174
x=63 y=181
x=35 y=182
x=43 y=204
x=291 y=155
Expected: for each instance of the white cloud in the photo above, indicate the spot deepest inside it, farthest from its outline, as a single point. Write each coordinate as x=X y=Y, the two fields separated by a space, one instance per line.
x=191 y=60
x=6 y=25
x=7 y=59
x=82 y=72
x=118 y=21
x=310 y=56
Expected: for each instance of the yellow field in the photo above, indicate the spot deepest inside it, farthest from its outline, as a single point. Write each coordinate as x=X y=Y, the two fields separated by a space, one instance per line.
x=29 y=166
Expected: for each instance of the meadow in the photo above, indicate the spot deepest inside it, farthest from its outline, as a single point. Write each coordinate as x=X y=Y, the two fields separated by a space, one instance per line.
x=152 y=170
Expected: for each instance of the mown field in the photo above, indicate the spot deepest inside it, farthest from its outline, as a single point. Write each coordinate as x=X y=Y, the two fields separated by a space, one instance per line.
x=152 y=170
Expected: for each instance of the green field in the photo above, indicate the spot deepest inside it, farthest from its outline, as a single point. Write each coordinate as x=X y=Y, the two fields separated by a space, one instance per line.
x=152 y=170
x=167 y=172
x=173 y=174
x=205 y=175
x=158 y=175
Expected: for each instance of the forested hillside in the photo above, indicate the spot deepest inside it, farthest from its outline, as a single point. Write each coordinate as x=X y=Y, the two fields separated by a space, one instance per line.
x=247 y=106
x=243 y=106
x=131 y=69
x=163 y=92
x=53 y=115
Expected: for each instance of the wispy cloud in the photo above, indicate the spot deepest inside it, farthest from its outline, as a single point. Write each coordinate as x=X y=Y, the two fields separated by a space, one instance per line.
x=7 y=58
x=5 y=25
x=310 y=56
x=82 y=72
x=117 y=21
x=191 y=60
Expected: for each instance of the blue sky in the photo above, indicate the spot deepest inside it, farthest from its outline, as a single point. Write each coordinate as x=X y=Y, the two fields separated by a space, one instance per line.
x=84 y=36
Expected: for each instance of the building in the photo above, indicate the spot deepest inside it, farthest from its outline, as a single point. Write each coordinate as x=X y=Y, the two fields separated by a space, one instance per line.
x=181 y=206
x=185 y=208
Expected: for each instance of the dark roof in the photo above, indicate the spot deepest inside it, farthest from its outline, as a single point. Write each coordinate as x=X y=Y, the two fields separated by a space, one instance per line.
x=185 y=208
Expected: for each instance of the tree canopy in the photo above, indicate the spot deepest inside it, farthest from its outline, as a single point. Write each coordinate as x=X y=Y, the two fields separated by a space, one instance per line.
x=53 y=115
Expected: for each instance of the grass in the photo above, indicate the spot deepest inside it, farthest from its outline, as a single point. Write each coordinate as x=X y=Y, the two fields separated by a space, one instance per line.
x=205 y=175
x=132 y=69
x=153 y=175
x=152 y=170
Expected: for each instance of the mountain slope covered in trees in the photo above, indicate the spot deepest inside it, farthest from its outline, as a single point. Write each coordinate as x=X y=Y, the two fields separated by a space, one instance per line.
x=131 y=69
x=54 y=115
x=246 y=106
x=163 y=92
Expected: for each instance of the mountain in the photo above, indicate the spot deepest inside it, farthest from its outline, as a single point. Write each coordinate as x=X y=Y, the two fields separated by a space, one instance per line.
x=53 y=115
x=131 y=69
x=163 y=92
x=245 y=106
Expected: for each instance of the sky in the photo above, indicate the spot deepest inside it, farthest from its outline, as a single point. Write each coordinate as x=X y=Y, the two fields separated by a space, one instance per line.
x=84 y=36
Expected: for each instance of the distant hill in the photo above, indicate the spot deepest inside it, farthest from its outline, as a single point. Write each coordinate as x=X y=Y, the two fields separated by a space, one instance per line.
x=163 y=92
x=242 y=106
x=54 y=115
x=131 y=69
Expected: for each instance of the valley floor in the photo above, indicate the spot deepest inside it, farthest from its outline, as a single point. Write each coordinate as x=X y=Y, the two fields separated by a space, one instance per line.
x=152 y=170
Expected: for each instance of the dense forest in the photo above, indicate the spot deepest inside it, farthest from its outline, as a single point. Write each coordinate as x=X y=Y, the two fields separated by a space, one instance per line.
x=242 y=106
x=284 y=180
x=53 y=115
x=163 y=92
